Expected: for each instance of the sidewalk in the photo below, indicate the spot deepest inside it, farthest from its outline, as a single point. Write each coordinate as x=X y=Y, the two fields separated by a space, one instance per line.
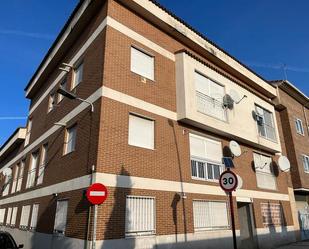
x=297 y=245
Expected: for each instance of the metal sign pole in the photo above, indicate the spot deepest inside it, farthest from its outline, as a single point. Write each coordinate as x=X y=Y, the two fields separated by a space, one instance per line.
x=94 y=235
x=232 y=217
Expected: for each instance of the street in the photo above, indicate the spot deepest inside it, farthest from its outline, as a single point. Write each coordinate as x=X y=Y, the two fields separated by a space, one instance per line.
x=298 y=245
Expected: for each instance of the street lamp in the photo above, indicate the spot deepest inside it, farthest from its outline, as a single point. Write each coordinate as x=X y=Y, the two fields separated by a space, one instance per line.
x=71 y=95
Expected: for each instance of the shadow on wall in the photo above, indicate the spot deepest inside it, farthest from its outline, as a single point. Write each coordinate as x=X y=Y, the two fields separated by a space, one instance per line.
x=115 y=226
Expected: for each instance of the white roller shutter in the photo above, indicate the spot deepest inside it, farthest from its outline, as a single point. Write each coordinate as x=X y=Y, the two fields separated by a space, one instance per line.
x=34 y=216
x=61 y=216
x=25 y=213
x=142 y=63
x=2 y=214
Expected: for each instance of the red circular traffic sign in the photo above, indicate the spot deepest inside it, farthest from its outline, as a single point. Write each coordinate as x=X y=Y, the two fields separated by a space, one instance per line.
x=228 y=181
x=97 y=193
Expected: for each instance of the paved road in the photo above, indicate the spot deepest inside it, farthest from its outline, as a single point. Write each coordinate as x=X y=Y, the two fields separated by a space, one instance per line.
x=297 y=245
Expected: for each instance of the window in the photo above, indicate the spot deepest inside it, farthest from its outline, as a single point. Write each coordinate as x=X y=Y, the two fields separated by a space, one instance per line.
x=15 y=177
x=14 y=214
x=63 y=85
x=70 y=140
x=51 y=102
x=42 y=164
x=141 y=132
x=9 y=216
x=271 y=214
x=210 y=215
x=264 y=173
x=78 y=75
x=28 y=131
x=265 y=123
x=206 y=158
x=24 y=219
x=20 y=176
x=140 y=215
x=61 y=216
x=209 y=97
x=34 y=216
x=2 y=214
x=142 y=63
x=299 y=127
x=7 y=184
x=306 y=163
x=32 y=170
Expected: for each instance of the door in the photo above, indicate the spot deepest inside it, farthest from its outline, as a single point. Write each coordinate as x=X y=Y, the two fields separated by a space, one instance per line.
x=247 y=230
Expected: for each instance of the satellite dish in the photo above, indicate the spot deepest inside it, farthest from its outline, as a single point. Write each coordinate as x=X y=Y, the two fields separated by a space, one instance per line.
x=234 y=95
x=235 y=148
x=284 y=163
x=228 y=102
x=7 y=171
x=240 y=182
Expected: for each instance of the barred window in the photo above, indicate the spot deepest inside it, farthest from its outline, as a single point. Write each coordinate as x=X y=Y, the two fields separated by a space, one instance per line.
x=271 y=214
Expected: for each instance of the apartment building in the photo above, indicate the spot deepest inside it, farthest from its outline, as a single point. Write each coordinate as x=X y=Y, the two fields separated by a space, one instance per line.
x=153 y=120
x=293 y=106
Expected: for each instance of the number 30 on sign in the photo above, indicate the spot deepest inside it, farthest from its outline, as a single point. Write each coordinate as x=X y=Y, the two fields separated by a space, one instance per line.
x=228 y=181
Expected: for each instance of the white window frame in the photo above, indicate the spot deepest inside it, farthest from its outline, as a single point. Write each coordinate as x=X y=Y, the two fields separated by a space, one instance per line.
x=134 y=138
x=206 y=99
x=211 y=215
x=70 y=143
x=15 y=178
x=14 y=216
x=28 y=131
x=20 y=175
x=31 y=179
x=59 y=220
x=34 y=216
x=9 y=216
x=205 y=163
x=299 y=127
x=266 y=128
x=134 y=65
x=24 y=218
x=146 y=231
x=7 y=185
x=42 y=165
x=78 y=72
x=261 y=173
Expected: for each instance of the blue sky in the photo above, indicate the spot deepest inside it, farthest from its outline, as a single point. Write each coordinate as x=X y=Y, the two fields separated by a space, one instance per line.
x=264 y=35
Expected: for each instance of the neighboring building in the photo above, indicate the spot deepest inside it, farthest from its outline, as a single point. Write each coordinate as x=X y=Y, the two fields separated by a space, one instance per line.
x=156 y=139
x=293 y=106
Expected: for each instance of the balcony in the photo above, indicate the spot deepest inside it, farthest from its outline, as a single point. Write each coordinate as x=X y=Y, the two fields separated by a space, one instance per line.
x=201 y=106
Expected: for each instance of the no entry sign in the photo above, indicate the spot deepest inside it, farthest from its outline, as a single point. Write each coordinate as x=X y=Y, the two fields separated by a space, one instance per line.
x=97 y=193
x=228 y=181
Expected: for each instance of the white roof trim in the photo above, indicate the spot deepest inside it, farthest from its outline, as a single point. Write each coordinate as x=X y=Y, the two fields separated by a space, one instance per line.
x=59 y=43
x=21 y=134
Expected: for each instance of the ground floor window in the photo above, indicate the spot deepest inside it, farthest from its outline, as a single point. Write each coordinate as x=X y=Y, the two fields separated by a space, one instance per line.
x=271 y=214
x=210 y=215
x=61 y=216
x=140 y=215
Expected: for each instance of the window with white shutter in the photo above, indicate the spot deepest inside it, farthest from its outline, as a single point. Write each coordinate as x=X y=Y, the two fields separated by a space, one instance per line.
x=209 y=97
x=142 y=63
x=210 y=215
x=141 y=132
x=7 y=184
x=140 y=215
x=264 y=172
x=20 y=176
x=32 y=169
x=28 y=131
x=51 y=102
x=70 y=139
x=9 y=216
x=206 y=158
x=299 y=127
x=42 y=165
x=24 y=218
x=2 y=215
x=14 y=214
x=78 y=75
x=15 y=177
x=34 y=216
x=61 y=216
x=306 y=163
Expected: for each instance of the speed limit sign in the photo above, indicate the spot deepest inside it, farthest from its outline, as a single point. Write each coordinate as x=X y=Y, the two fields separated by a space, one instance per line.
x=228 y=181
